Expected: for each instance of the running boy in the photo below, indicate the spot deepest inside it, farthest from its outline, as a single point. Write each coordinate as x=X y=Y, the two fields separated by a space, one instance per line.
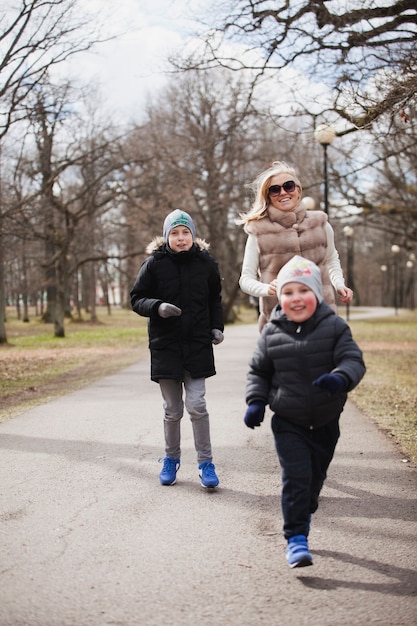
x=305 y=363
x=179 y=289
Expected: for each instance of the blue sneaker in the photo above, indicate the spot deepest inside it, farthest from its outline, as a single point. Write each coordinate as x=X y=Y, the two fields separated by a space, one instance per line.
x=207 y=473
x=298 y=554
x=168 y=475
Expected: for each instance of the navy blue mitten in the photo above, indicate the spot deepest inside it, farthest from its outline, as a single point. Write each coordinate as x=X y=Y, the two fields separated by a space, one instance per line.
x=254 y=414
x=331 y=383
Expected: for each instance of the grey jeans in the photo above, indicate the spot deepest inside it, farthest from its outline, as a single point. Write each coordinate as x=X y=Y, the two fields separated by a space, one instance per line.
x=195 y=403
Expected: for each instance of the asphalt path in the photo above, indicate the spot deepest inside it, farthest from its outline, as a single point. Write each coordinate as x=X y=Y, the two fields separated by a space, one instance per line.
x=88 y=536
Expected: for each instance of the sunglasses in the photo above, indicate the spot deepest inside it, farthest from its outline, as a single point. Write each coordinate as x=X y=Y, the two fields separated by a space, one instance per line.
x=289 y=186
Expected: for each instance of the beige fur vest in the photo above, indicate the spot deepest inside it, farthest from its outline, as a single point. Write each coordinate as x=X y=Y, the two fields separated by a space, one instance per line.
x=281 y=235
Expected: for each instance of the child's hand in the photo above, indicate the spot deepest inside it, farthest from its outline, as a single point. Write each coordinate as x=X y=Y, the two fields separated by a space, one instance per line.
x=331 y=383
x=217 y=336
x=168 y=310
x=254 y=414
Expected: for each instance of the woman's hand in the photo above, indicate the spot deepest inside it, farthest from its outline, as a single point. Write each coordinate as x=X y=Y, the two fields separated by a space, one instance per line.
x=272 y=289
x=346 y=295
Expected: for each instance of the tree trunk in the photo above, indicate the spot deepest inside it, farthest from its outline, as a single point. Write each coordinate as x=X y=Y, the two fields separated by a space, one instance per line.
x=61 y=293
x=25 y=295
x=92 y=283
x=3 y=336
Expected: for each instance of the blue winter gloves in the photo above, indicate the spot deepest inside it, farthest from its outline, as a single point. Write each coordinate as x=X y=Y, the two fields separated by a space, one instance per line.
x=331 y=383
x=216 y=336
x=254 y=414
x=168 y=310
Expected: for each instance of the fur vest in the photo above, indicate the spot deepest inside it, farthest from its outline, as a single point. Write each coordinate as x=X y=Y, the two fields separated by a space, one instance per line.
x=280 y=236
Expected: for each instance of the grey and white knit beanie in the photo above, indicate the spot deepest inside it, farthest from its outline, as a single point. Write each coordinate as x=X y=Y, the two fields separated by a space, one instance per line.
x=178 y=218
x=301 y=270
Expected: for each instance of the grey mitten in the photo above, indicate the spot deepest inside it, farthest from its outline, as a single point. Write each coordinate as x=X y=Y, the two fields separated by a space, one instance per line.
x=168 y=310
x=217 y=336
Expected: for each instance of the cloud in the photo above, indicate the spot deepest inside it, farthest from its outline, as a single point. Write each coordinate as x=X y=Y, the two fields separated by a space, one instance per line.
x=128 y=68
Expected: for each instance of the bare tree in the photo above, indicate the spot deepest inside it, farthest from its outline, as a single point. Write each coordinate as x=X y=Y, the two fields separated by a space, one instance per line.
x=62 y=197
x=205 y=140
x=35 y=36
x=364 y=52
x=197 y=144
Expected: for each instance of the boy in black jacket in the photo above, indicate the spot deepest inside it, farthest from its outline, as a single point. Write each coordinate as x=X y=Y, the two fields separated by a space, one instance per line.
x=179 y=289
x=305 y=363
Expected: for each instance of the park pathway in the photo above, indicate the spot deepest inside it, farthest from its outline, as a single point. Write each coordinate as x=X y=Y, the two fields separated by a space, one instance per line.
x=88 y=537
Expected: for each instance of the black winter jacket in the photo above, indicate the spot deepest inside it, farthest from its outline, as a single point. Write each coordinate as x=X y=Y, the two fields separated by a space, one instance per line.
x=191 y=281
x=290 y=356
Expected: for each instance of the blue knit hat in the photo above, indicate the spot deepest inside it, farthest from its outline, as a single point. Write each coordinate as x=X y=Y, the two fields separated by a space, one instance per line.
x=301 y=270
x=178 y=218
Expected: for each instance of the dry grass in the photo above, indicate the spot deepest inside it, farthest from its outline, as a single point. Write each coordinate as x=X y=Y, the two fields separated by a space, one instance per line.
x=35 y=366
x=388 y=393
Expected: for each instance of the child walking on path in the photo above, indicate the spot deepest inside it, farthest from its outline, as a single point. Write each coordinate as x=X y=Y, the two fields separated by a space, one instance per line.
x=305 y=363
x=179 y=289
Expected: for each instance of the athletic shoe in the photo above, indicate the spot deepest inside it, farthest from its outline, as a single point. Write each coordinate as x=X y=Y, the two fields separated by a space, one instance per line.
x=298 y=554
x=207 y=473
x=168 y=475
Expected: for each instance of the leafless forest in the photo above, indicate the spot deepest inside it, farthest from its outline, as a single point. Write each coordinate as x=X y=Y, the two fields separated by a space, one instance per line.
x=81 y=196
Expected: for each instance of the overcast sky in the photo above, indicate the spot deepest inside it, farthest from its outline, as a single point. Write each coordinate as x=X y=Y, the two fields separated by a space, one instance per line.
x=131 y=66
x=134 y=65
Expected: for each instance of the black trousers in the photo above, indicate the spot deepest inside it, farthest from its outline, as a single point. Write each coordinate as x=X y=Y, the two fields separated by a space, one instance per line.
x=305 y=456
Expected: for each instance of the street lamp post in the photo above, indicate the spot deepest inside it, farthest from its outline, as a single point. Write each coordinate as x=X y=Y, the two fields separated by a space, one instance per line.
x=410 y=266
x=395 y=250
x=325 y=135
x=349 y=232
x=384 y=269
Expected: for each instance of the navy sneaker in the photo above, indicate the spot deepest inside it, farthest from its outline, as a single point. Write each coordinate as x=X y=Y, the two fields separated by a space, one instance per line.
x=168 y=475
x=207 y=473
x=298 y=554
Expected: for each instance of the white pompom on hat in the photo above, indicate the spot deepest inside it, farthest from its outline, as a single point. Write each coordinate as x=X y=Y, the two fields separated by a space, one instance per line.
x=301 y=270
x=178 y=218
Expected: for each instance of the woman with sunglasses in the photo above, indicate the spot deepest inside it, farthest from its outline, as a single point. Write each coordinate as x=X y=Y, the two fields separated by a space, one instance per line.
x=279 y=227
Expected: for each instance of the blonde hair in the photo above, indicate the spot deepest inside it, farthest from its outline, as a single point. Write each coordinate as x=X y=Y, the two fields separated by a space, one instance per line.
x=260 y=188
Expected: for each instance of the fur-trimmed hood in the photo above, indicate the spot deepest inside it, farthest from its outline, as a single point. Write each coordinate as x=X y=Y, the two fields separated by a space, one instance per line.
x=158 y=242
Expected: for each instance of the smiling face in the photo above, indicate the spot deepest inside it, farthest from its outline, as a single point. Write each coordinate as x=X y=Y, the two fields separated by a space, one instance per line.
x=298 y=301
x=286 y=200
x=180 y=239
